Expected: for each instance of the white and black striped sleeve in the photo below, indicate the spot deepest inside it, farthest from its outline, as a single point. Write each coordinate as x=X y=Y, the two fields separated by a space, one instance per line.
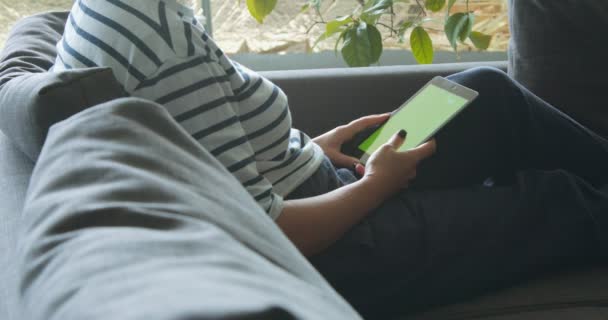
x=197 y=93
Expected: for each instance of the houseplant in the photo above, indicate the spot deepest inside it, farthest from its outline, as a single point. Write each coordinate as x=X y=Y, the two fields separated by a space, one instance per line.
x=357 y=35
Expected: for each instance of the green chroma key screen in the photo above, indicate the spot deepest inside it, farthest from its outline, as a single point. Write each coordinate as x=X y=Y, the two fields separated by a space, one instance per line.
x=420 y=118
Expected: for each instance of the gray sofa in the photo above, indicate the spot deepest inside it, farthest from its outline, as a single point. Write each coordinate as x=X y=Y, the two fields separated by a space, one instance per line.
x=319 y=100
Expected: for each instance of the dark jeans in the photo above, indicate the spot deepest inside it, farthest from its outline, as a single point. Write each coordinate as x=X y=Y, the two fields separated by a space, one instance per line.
x=516 y=188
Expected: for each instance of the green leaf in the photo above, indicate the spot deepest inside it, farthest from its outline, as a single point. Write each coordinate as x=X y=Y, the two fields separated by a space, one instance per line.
x=422 y=46
x=340 y=38
x=434 y=5
x=259 y=9
x=356 y=50
x=453 y=26
x=375 y=39
x=458 y=27
x=467 y=28
x=377 y=6
x=305 y=7
x=362 y=45
x=480 y=40
x=374 y=9
x=335 y=26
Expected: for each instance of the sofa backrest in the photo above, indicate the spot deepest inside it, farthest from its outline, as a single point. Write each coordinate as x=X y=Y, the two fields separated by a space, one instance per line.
x=322 y=99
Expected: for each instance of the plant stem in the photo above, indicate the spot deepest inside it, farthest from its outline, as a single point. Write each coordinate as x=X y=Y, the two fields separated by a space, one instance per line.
x=388 y=27
x=422 y=7
x=313 y=25
x=320 y=15
x=392 y=20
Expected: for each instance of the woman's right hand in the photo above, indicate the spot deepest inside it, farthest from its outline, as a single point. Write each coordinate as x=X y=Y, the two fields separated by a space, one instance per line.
x=313 y=224
x=389 y=170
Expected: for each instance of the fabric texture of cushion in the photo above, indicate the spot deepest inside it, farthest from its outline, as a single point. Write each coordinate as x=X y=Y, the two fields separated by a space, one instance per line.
x=31 y=99
x=15 y=171
x=128 y=217
x=557 y=51
x=31 y=103
x=30 y=47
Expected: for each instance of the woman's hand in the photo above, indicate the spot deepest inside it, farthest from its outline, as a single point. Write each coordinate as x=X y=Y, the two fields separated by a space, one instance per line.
x=332 y=141
x=389 y=170
x=313 y=224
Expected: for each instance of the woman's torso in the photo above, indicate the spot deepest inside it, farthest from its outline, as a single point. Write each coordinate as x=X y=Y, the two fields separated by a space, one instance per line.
x=159 y=51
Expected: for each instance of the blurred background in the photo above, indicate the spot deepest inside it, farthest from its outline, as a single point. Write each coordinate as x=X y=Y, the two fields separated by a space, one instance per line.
x=288 y=32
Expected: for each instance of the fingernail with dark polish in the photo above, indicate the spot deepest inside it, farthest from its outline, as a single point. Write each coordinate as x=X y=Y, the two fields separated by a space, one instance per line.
x=402 y=133
x=360 y=170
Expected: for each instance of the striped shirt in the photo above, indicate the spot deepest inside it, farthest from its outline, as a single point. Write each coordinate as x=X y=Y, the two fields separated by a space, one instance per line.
x=159 y=51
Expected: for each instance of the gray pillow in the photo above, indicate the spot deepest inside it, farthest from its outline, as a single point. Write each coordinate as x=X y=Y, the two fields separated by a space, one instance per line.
x=31 y=103
x=557 y=51
x=31 y=99
x=30 y=46
x=128 y=217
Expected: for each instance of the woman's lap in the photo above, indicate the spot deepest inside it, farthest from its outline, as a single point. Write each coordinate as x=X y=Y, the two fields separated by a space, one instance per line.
x=430 y=247
x=508 y=129
x=451 y=236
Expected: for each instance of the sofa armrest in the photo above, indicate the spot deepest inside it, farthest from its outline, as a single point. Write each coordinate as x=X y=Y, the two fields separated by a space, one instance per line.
x=325 y=98
x=15 y=170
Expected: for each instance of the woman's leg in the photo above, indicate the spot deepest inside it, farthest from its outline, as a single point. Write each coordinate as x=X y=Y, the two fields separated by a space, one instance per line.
x=429 y=246
x=507 y=129
x=425 y=248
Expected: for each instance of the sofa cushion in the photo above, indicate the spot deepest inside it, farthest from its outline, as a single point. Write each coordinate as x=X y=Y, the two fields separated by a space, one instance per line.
x=578 y=293
x=30 y=46
x=557 y=51
x=31 y=99
x=144 y=223
x=31 y=103
x=15 y=171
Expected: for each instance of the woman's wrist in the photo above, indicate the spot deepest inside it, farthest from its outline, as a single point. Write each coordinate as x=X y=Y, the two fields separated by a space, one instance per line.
x=313 y=224
x=374 y=188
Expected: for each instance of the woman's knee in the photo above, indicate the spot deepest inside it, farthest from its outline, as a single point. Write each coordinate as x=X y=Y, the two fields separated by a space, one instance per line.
x=482 y=78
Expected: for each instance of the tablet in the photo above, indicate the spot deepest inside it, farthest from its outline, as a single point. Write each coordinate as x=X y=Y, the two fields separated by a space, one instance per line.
x=421 y=117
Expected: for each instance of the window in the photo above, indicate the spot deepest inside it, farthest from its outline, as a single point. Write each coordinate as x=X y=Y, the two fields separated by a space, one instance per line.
x=283 y=42
x=11 y=11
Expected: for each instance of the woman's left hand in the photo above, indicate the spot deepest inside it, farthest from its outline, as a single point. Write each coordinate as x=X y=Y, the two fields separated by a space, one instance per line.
x=331 y=142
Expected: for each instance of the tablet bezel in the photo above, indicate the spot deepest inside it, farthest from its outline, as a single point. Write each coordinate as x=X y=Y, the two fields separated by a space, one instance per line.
x=443 y=83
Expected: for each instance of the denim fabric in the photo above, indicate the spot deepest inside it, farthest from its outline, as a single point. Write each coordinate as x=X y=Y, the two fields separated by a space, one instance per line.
x=452 y=235
x=325 y=179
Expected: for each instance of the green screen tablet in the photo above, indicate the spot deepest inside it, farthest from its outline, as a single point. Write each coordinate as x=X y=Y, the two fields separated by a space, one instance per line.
x=421 y=116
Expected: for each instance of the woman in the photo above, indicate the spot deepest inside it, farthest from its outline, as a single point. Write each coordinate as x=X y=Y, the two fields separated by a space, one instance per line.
x=452 y=233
